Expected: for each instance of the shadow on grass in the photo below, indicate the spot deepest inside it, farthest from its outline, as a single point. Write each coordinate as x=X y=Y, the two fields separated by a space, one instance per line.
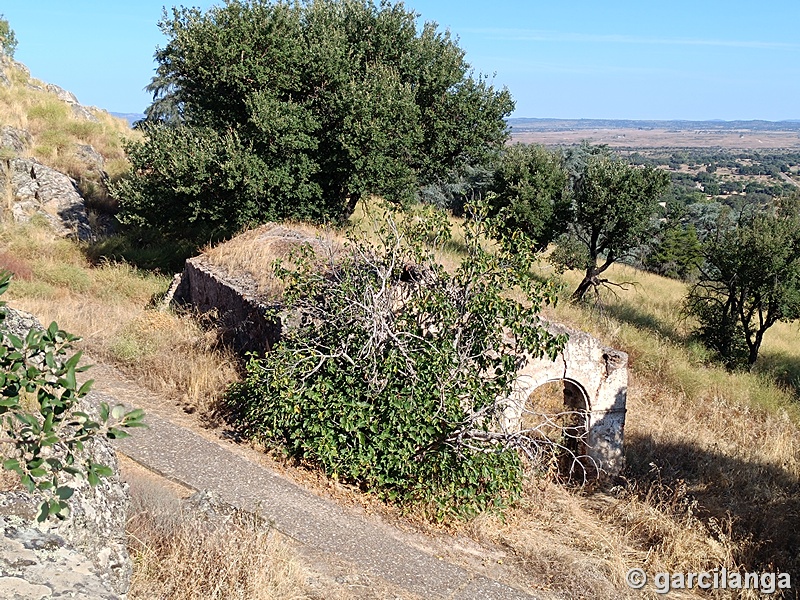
x=762 y=499
x=783 y=368
x=143 y=249
x=632 y=315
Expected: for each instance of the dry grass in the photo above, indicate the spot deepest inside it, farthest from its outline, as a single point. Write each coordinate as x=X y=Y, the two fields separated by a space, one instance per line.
x=107 y=305
x=249 y=257
x=186 y=555
x=713 y=475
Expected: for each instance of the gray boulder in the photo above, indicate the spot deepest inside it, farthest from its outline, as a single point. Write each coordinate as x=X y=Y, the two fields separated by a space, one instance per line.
x=62 y=94
x=35 y=189
x=81 y=112
x=90 y=157
x=16 y=140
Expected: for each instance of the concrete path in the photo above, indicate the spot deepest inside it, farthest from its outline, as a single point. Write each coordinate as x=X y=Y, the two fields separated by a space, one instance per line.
x=323 y=526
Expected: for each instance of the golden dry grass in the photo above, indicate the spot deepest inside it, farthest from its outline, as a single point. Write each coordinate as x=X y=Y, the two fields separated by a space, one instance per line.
x=249 y=257
x=713 y=464
x=713 y=469
x=107 y=305
x=185 y=555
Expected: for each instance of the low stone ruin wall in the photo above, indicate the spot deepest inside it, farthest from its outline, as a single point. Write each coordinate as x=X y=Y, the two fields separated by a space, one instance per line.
x=243 y=317
x=598 y=375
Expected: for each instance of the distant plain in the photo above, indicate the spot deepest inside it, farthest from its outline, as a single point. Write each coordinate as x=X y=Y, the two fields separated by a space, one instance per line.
x=741 y=135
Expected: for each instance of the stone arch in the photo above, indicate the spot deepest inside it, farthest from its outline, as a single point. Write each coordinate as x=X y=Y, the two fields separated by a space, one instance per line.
x=594 y=376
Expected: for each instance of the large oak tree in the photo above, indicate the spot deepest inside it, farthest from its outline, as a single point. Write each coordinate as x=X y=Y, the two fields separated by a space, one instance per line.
x=269 y=110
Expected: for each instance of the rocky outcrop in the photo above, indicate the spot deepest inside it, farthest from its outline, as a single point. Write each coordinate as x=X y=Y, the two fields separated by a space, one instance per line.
x=36 y=565
x=34 y=189
x=82 y=556
x=16 y=141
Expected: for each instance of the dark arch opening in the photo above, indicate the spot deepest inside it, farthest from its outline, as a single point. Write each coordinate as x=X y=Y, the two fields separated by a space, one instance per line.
x=559 y=411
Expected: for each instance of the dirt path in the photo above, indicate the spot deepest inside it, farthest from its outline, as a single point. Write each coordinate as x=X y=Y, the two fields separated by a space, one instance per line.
x=333 y=537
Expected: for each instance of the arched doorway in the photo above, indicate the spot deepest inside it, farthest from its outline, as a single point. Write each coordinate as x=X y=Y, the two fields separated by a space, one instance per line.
x=558 y=410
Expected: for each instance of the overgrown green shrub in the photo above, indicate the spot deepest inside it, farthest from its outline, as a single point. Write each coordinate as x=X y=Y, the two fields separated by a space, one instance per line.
x=391 y=371
x=42 y=434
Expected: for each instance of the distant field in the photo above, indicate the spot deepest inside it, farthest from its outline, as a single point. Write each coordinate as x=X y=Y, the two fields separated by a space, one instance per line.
x=744 y=135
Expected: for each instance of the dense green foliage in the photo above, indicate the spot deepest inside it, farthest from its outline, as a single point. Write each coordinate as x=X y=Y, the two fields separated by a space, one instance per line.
x=676 y=251
x=613 y=203
x=391 y=371
x=272 y=110
x=531 y=186
x=750 y=280
x=599 y=207
x=42 y=433
x=8 y=39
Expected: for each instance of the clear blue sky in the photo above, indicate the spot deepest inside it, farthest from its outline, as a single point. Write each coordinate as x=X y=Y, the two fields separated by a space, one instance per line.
x=629 y=59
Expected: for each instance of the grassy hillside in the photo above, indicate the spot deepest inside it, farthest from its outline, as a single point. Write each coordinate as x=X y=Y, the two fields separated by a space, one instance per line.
x=713 y=475
x=57 y=133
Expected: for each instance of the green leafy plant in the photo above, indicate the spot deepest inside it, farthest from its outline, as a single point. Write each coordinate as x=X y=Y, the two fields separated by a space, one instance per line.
x=392 y=371
x=8 y=39
x=42 y=432
x=276 y=110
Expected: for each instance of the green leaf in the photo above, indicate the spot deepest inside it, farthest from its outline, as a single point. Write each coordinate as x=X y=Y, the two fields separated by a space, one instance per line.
x=44 y=511
x=16 y=343
x=12 y=464
x=65 y=492
x=85 y=388
x=102 y=470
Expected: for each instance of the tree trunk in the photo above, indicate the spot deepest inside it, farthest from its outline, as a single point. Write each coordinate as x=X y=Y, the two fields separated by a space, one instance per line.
x=754 y=348
x=589 y=281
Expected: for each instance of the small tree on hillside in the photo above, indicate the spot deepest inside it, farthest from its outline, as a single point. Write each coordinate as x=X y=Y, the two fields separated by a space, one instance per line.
x=612 y=206
x=531 y=193
x=8 y=40
x=269 y=110
x=750 y=280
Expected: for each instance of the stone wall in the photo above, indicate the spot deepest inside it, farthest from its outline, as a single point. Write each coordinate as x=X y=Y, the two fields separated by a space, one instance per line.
x=243 y=317
x=600 y=375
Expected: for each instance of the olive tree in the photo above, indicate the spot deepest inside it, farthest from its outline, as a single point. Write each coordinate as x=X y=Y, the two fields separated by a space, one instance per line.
x=269 y=110
x=612 y=206
x=750 y=280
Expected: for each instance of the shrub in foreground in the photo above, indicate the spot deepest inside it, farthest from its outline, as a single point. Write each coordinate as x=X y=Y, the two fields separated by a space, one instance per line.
x=42 y=432
x=392 y=370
